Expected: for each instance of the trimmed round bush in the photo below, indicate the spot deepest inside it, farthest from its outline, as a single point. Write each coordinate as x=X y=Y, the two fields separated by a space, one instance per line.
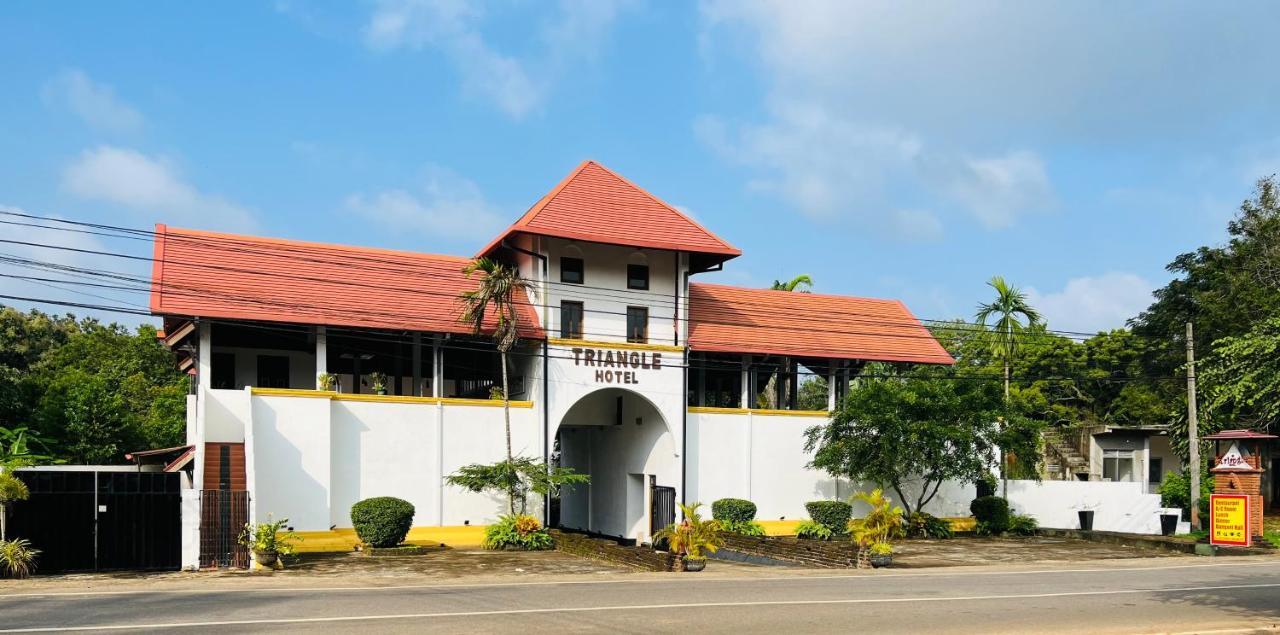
x=992 y=512
x=833 y=515
x=736 y=510
x=383 y=521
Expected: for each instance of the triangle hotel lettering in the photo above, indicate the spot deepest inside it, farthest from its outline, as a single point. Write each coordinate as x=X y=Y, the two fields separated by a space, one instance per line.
x=606 y=360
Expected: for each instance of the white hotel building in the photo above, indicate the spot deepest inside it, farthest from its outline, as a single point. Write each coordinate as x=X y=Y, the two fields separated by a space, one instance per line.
x=629 y=370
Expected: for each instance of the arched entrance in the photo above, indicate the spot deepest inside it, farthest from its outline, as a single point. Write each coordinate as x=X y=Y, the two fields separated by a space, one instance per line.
x=622 y=440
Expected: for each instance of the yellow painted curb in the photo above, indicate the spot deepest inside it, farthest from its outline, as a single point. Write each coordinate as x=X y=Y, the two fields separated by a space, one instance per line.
x=341 y=540
x=708 y=410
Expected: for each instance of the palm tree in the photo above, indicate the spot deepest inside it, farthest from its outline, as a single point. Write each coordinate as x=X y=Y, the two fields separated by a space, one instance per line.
x=497 y=294
x=802 y=280
x=794 y=284
x=1009 y=305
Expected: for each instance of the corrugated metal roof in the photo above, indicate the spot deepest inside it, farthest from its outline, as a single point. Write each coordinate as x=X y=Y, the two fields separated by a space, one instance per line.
x=214 y=275
x=729 y=319
x=595 y=204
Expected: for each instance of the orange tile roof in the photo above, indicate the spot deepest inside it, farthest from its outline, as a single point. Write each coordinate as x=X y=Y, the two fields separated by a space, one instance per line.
x=214 y=275
x=764 y=322
x=595 y=204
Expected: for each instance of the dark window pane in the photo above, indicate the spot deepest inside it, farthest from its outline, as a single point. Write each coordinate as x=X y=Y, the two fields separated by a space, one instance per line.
x=273 y=371
x=638 y=277
x=224 y=371
x=571 y=320
x=637 y=324
x=571 y=270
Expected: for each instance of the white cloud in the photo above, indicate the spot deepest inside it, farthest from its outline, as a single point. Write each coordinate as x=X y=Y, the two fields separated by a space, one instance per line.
x=818 y=161
x=1094 y=303
x=516 y=86
x=151 y=185
x=998 y=189
x=828 y=167
x=95 y=103
x=444 y=204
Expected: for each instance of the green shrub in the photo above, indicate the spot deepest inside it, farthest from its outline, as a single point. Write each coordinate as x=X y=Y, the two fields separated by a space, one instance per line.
x=987 y=485
x=1175 y=491
x=926 y=525
x=747 y=528
x=737 y=510
x=814 y=531
x=834 y=515
x=519 y=532
x=383 y=521
x=17 y=558
x=992 y=513
x=1020 y=525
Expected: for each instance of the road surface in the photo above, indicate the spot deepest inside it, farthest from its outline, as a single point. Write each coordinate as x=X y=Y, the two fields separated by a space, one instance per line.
x=1137 y=596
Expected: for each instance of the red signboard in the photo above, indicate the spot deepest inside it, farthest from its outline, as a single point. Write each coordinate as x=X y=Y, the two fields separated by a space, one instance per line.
x=1229 y=520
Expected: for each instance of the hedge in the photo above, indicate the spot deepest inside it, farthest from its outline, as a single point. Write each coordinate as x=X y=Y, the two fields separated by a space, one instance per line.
x=992 y=512
x=383 y=521
x=833 y=515
x=736 y=510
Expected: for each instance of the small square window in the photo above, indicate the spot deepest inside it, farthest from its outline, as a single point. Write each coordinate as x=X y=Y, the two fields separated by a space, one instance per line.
x=638 y=277
x=571 y=270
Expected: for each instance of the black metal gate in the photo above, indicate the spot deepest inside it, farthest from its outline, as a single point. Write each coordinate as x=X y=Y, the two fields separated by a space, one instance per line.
x=101 y=521
x=662 y=512
x=223 y=514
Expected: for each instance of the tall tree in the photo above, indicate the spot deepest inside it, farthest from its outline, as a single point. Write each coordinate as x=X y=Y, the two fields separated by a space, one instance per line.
x=496 y=295
x=911 y=433
x=1009 y=309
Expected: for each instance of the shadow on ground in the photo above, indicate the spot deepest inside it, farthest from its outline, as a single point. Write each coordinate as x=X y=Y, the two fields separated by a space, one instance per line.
x=968 y=551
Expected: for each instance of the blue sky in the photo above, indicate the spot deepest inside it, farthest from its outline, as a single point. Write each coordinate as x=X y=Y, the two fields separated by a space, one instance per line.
x=886 y=150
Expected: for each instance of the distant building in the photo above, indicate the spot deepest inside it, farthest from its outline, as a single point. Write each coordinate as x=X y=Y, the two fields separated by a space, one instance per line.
x=655 y=385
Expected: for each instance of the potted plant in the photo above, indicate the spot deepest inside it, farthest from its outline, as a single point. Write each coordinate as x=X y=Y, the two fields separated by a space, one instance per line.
x=880 y=554
x=379 y=381
x=327 y=381
x=692 y=538
x=872 y=532
x=268 y=541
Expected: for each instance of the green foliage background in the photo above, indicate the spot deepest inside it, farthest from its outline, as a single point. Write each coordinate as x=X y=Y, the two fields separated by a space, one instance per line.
x=91 y=391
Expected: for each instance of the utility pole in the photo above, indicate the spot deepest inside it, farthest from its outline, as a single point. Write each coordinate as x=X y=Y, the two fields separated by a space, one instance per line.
x=1193 y=429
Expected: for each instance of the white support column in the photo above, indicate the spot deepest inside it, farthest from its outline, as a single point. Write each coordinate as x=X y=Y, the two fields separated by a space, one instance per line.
x=746 y=380
x=417 y=365
x=204 y=363
x=437 y=368
x=831 y=385
x=322 y=353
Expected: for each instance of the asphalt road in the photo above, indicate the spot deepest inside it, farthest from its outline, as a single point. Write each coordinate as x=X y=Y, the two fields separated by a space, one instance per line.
x=1190 y=595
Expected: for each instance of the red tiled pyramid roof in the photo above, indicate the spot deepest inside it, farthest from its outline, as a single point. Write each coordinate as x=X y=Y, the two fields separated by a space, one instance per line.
x=595 y=204
x=765 y=322
x=215 y=275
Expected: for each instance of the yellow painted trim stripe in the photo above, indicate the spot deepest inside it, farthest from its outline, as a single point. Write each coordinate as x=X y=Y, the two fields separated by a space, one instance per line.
x=327 y=394
x=293 y=392
x=626 y=346
x=757 y=411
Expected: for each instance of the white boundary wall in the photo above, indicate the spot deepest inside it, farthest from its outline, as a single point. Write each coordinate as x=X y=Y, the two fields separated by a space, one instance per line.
x=309 y=459
x=761 y=458
x=1121 y=507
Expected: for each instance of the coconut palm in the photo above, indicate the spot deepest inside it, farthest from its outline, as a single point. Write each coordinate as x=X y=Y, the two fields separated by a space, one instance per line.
x=1009 y=309
x=792 y=285
x=497 y=294
x=802 y=280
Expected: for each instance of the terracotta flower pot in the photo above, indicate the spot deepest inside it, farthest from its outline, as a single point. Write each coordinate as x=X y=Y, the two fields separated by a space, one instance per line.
x=266 y=558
